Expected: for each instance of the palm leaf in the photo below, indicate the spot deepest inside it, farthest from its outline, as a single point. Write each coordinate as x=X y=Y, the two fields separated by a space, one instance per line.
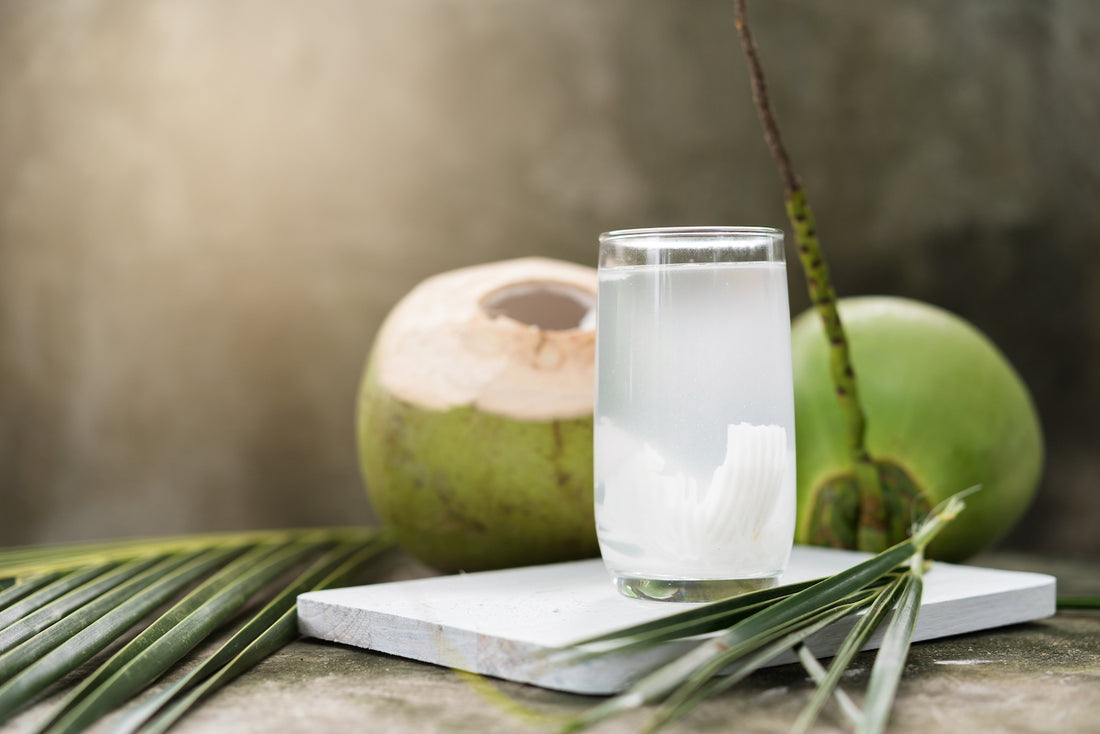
x=890 y=660
x=31 y=560
x=65 y=604
x=1082 y=601
x=23 y=587
x=32 y=649
x=818 y=674
x=39 y=619
x=272 y=628
x=683 y=624
x=707 y=659
x=95 y=632
x=699 y=621
x=145 y=658
x=45 y=595
x=735 y=667
x=853 y=643
x=787 y=619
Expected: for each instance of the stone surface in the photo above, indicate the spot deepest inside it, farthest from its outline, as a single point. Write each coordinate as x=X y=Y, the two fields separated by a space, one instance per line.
x=1038 y=677
x=206 y=208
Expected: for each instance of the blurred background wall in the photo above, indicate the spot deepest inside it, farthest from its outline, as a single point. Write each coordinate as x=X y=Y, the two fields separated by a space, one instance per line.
x=207 y=207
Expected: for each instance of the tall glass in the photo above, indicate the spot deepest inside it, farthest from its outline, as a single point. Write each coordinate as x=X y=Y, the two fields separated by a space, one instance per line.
x=694 y=423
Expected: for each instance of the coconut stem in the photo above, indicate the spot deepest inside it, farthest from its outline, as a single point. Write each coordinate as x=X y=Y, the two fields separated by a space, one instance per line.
x=872 y=513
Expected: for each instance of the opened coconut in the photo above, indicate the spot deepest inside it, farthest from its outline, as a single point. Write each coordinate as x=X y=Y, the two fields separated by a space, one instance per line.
x=475 y=416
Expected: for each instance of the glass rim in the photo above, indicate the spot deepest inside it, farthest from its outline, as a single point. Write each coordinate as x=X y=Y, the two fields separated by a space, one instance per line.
x=698 y=232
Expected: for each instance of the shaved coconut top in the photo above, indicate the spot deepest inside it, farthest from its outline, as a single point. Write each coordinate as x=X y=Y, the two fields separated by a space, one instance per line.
x=515 y=338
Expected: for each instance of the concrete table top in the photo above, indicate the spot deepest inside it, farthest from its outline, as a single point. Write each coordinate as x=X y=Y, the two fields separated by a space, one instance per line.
x=1037 y=677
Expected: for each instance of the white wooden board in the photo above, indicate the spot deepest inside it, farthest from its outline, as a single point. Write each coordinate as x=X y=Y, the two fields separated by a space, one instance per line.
x=495 y=622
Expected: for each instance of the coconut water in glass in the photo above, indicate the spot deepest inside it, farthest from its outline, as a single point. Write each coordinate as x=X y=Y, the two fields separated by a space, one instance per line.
x=694 y=419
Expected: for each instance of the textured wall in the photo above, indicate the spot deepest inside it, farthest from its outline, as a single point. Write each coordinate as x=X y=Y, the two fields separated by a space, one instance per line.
x=207 y=207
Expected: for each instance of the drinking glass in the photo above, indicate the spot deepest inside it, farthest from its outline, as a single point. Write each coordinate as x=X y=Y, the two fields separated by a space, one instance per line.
x=694 y=419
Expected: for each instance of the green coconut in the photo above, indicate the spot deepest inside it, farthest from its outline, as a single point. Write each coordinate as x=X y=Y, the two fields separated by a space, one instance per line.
x=945 y=411
x=474 y=417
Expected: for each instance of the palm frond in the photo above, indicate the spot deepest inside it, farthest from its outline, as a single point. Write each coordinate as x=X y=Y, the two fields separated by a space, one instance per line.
x=1081 y=601
x=818 y=674
x=273 y=627
x=701 y=619
x=775 y=623
x=33 y=622
x=73 y=641
x=853 y=643
x=21 y=587
x=66 y=604
x=734 y=668
x=173 y=635
x=47 y=594
x=890 y=660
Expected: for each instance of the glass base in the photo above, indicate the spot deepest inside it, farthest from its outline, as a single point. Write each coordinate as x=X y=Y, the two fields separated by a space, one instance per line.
x=690 y=590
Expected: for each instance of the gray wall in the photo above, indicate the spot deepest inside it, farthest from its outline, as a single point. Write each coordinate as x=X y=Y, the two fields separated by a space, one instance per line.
x=207 y=207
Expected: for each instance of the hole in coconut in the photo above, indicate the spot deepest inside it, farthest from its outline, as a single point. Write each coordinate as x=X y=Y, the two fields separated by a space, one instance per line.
x=547 y=306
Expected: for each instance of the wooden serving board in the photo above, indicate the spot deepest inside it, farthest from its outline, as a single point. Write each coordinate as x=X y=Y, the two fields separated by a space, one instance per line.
x=496 y=622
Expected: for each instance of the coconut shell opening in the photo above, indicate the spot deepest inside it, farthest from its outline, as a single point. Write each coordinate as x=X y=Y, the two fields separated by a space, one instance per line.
x=515 y=338
x=545 y=305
